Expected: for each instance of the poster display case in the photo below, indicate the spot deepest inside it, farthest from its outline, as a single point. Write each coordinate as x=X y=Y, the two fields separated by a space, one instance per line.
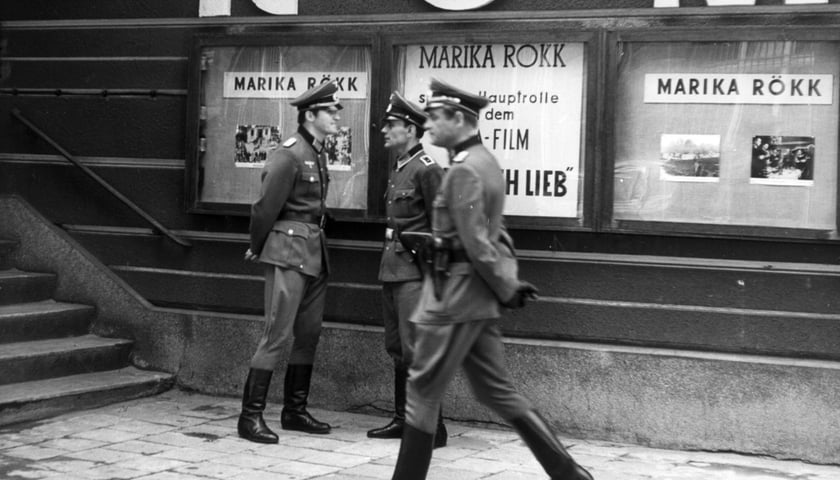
x=725 y=136
x=241 y=94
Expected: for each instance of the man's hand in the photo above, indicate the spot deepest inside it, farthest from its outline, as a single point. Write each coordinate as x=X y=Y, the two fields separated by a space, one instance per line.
x=250 y=257
x=525 y=291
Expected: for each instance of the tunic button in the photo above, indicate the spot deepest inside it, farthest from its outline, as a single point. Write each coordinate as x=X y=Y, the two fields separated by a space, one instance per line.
x=291 y=231
x=301 y=266
x=311 y=179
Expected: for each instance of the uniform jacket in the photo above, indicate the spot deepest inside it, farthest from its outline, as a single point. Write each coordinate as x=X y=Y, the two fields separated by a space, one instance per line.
x=294 y=179
x=412 y=186
x=468 y=214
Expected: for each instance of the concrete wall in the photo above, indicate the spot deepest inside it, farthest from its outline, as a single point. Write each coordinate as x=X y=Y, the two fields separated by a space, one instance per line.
x=656 y=397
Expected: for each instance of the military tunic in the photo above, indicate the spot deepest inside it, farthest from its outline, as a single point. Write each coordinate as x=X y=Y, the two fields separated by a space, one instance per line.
x=412 y=186
x=460 y=327
x=287 y=236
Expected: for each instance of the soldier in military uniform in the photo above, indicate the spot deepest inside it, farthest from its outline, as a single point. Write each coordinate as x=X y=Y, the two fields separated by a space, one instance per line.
x=287 y=237
x=474 y=274
x=413 y=182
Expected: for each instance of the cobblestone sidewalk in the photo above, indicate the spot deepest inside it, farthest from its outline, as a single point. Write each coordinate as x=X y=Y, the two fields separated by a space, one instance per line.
x=181 y=436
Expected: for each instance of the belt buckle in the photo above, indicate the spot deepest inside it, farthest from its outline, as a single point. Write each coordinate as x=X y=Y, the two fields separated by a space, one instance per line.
x=322 y=222
x=389 y=234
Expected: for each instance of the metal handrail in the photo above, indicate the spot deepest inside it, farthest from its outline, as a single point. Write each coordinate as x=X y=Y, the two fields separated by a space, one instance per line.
x=90 y=173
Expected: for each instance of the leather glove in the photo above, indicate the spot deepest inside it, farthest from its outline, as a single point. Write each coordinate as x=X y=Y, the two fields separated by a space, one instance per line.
x=525 y=291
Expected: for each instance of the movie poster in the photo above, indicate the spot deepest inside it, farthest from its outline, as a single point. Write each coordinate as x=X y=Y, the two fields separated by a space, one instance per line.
x=533 y=124
x=252 y=144
x=690 y=158
x=782 y=160
x=339 y=150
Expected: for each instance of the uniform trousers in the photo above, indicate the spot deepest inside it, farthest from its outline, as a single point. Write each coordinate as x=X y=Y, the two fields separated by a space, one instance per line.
x=294 y=303
x=399 y=299
x=439 y=350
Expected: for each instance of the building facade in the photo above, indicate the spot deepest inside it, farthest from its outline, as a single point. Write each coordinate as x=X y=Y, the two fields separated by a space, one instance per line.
x=672 y=181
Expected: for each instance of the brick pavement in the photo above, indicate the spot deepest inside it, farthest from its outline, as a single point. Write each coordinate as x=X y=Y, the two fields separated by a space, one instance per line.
x=182 y=436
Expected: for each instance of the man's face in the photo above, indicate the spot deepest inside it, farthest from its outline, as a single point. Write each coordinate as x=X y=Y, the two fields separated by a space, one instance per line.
x=326 y=120
x=396 y=134
x=441 y=127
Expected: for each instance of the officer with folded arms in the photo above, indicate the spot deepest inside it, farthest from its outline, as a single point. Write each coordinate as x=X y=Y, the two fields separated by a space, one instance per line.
x=287 y=237
x=475 y=271
x=413 y=181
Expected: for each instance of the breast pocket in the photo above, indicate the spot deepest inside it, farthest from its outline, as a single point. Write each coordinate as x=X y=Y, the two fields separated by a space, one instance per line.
x=403 y=200
x=309 y=183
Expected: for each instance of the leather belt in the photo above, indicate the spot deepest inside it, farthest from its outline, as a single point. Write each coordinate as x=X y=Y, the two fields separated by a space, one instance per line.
x=458 y=256
x=302 y=217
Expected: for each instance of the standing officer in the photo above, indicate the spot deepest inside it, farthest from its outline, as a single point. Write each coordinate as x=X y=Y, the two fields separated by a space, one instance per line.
x=475 y=272
x=412 y=185
x=287 y=236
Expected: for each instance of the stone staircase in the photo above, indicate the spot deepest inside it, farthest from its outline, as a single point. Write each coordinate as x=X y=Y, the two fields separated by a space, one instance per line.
x=49 y=362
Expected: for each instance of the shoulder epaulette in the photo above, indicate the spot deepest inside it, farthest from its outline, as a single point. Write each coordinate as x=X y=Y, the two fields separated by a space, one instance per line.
x=291 y=141
x=427 y=160
x=461 y=157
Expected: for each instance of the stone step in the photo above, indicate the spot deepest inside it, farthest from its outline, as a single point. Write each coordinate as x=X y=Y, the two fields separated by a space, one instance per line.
x=46 y=319
x=6 y=247
x=45 y=398
x=41 y=359
x=22 y=287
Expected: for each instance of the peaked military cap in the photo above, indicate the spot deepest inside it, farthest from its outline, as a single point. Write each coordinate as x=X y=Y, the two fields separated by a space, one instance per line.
x=401 y=109
x=446 y=95
x=319 y=96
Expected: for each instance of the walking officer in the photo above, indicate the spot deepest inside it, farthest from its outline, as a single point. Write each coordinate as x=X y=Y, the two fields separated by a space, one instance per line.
x=474 y=274
x=287 y=237
x=412 y=184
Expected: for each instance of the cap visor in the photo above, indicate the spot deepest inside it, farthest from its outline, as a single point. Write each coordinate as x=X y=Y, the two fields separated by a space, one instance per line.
x=317 y=106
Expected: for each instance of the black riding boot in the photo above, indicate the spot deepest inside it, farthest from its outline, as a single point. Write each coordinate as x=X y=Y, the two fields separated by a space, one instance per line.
x=415 y=454
x=556 y=461
x=251 y=425
x=395 y=428
x=295 y=393
x=440 y=434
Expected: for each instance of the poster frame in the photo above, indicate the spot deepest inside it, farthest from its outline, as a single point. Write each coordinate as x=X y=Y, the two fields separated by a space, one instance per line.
x=592 y=94
x=614 y=44
x=194 y=147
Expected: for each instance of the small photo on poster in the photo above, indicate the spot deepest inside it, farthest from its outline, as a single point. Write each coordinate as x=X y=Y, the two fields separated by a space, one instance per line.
x=689 y=158
x=782 y=160
x=253 y=142
x=339 y=148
